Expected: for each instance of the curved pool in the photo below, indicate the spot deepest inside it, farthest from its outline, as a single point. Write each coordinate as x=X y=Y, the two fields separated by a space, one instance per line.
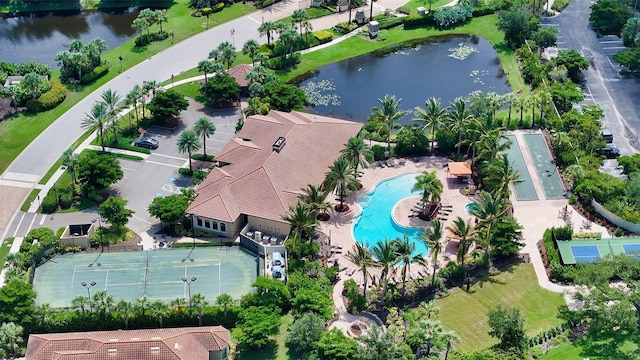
x=375 y=222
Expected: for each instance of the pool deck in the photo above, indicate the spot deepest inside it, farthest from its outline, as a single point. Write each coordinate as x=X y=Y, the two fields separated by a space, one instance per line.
x=534 y=215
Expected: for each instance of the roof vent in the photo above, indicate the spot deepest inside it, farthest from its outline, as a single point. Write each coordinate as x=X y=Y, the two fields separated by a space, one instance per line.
x=279 y=144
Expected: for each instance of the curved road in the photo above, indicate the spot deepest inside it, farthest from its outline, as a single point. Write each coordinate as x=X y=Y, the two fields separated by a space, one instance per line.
x=604 y=85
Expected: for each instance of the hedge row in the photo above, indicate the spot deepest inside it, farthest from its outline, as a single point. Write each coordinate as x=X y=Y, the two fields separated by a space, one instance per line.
x=97 y=73
x=49 y=99
x=417 y=20
x=323 y=36
x=146 y=39
x=390 y=22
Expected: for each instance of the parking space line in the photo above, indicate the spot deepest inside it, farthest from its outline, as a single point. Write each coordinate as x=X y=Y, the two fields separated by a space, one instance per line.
x=159 y=163
x=171 y=157
x=614 y=48
x=127 y=169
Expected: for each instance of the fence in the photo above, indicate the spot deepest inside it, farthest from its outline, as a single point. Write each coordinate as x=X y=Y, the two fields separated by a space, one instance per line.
x=615 y=219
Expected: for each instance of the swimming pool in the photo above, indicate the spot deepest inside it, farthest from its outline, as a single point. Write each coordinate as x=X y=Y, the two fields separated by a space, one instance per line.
x=375 y=222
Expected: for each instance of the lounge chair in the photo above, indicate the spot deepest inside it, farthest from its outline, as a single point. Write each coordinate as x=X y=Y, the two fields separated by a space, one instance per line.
x=392 y=162
x=402 y=161
x=382 y=164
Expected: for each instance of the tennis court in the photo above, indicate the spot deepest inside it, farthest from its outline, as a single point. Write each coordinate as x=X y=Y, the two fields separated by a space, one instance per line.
x=154 y=274
x=583 y=250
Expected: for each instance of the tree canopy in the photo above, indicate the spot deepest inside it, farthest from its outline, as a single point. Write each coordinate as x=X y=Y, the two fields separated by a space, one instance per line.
x=166 y=104
x=97 y=171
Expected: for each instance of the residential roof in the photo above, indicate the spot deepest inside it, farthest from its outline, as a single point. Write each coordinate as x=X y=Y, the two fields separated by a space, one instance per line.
x=240 y=73
x=459 y=168
x=256 y=180
x=168 y=344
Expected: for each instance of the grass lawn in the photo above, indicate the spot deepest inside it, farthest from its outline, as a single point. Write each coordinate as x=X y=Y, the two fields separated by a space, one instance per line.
x=466 y=313
x=276 y=350
x=622 y=347
x=414 y=4
x=18 y=131
x=4 y=250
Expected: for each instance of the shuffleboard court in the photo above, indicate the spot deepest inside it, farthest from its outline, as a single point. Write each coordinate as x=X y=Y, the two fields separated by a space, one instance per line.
x=154 y=274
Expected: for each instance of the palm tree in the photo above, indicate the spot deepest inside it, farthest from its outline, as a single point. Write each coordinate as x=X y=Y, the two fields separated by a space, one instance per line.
x=133 y=98
x=188 y=142
x=298 y=16
x=533 y=101
x=140 y=304
x=448 y=337
x=431 y=188
x=160 y=16
x=425 y=333
x=511 y=99
x=158 y=310
x=503 y=173
x=80 y=303
x=491 y=144
x=341 y=179
x=70 y=161
x=302 y=220
x=224 y=300
x=521 y=102
x=459 y=116
x=206 y=67
x=358 y=153
x=361 y=257
x=251 y=48
x=431 y=237
x=103 y=302
x=384 y=253
x=227 y=53
x=99 y=46
x=124 y=309
x=544 y=97
x=488 y=209
x=431 y=118
x=463 y=230
x=575 y=173
x=315 y=199
x=265 y=29
x=198 y=301
x=388 y=113
x=205 y=128
x=404 y=250
x=97 y=117
x=11 y=336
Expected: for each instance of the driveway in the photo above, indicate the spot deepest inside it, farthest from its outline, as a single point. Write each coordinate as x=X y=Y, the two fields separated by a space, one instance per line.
x=604 y=86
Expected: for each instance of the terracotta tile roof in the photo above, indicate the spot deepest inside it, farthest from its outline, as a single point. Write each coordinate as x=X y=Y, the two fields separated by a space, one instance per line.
x=240 y=73
x=256 y=180
x=459 y=168
x=167 y=344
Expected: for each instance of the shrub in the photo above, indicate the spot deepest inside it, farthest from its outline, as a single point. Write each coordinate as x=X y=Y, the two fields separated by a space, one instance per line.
x=452 y=15
x=553 y=257
x=146 y=39
x=185 y=172
x=199 y=176
x=404 y=10
x=344 y=27
x=332 y=273
x=49 y=203
x=414 y=21
x=323 y=36
x=563 y=233
x=218 y=7
x=97 y=73
x=201 y=157
x=378 y=152
x=390 y=22
x=284 y=62
x=484 y=10
x=66 y=199
x=49 y=99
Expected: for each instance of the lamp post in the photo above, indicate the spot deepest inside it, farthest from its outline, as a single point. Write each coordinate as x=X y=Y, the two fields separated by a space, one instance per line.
x=89 y=286
x=188 y=282
x=193 y=241
x=100 y=228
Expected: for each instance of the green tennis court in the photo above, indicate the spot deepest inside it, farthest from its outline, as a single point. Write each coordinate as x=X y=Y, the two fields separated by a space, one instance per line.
x=583 y=250
x=154 y=274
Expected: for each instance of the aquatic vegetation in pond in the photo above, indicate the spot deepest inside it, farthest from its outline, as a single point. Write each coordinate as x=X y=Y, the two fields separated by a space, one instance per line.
x=317 y=93
x=462 y=51
x=477 y=76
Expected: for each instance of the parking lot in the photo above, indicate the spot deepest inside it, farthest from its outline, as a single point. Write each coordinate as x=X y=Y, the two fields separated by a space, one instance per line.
x=158 y=174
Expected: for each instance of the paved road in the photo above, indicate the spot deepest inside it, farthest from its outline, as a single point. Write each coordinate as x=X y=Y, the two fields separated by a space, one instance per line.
x=604 y=86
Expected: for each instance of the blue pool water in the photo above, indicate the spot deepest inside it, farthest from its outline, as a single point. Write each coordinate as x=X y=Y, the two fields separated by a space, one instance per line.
x=375 y=223
x=469 y=207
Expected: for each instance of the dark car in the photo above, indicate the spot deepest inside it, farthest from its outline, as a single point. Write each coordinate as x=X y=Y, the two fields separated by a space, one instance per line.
x=610 y=151
x=146 y=142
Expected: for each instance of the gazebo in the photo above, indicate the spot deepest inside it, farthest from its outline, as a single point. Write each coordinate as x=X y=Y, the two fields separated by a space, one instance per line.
x=459 y=169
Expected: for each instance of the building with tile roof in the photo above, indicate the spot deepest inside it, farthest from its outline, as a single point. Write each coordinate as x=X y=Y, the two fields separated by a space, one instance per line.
x=239 y=73
x=263 y=170
x=192 y=343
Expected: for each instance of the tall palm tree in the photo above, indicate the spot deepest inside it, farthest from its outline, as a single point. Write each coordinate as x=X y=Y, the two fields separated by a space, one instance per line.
x=491 y=144
x=463 y=230
x=575 y=173
x=224 y=300
x=133 y=98
x=448 y=337
x=124 y=309
x=425 y=333
x=141 y=303
x=384 y=253
x=103 y=302
x=251 y=48
x=545 y=98
x=227 y=53
x=459 y=115
x=522 y=102
x=206 y=67
x=388 y=113
x=502 y=173
x=302 y=220
x=431 y=188
x=430 y=118
x=511 y=99
x=299 y=16
x=265 y=29
x=431 y=237
x=158 y=310
x=114 y=103
x=488 y=209
x=341 y=179
x=360 y=256
x=70 y=161
x=204 y=128
x=358 y=153
x=405 y=250
x=315 y=199
x=98 y=117
x=534 y=99
x=188 y=142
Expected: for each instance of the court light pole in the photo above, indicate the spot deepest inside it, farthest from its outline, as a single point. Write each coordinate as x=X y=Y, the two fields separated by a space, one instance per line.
x=101 y=229
x=89 y=286
x=188 y=282
x=193 y=241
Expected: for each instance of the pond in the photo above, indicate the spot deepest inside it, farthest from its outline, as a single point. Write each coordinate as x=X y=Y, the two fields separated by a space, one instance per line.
x=445 y=68
x=39 y=37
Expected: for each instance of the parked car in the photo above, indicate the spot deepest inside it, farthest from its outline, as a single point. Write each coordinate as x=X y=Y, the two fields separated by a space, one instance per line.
x=610 y=151
x=607 y=135
x=147 y=142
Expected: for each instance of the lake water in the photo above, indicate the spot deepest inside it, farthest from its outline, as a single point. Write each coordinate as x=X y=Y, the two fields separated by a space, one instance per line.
x=40 y=37
x=445 y=68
